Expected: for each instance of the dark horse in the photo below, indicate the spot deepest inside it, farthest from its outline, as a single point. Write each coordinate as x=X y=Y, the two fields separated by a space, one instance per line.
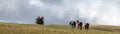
x=86 y=26
x=73 y=24
x=79 y=24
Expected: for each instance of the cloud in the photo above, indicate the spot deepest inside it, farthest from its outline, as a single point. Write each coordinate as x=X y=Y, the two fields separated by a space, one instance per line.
x=61 y=11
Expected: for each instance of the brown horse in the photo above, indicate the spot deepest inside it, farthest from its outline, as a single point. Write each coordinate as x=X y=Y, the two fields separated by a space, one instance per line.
x=73 y=24
x=79 y=24
x=86 y=26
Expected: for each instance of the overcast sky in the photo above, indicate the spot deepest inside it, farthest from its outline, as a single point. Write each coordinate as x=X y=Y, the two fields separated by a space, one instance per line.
x=106 y=12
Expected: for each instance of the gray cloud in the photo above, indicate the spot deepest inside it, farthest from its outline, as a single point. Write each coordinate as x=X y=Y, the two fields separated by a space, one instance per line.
x=61 y=11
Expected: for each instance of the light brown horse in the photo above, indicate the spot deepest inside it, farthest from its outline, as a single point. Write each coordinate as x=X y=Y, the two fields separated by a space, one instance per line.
x=79 y=24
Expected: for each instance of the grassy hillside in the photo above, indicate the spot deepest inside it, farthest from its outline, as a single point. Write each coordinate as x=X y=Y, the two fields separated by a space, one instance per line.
x=7 y=28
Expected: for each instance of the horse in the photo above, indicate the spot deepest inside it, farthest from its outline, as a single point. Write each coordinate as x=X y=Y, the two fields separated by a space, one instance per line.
x=87 y=26
x=79 y=24
x=73 y=24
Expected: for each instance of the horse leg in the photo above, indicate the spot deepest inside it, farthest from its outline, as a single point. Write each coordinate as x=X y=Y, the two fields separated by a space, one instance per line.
x=80 y=27
x=72 y=26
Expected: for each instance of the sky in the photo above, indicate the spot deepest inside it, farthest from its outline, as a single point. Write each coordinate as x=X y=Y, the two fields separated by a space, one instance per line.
x=103 y=12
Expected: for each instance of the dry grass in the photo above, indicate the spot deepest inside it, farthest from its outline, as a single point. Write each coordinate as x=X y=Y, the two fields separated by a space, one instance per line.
x=6 y=28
